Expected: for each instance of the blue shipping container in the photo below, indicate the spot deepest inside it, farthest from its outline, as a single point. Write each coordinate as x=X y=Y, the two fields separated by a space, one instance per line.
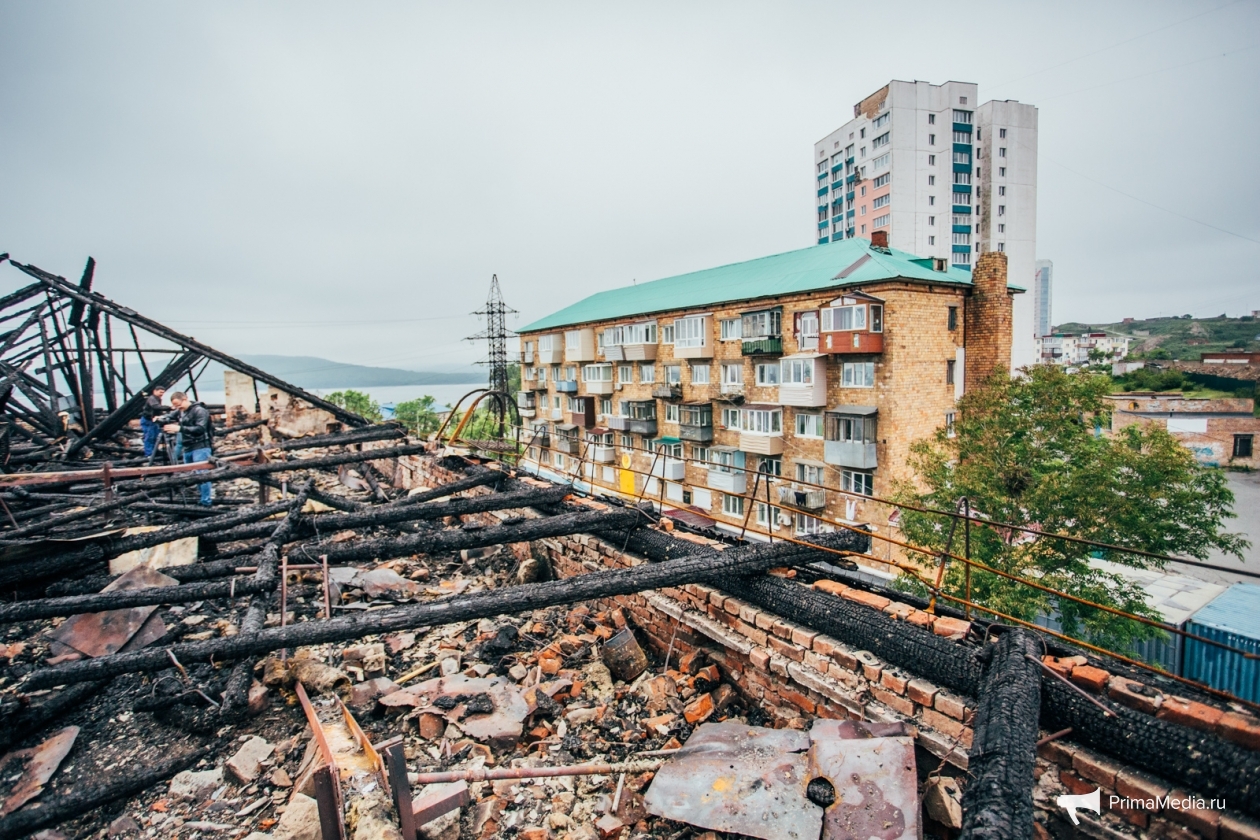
x=1232 y=618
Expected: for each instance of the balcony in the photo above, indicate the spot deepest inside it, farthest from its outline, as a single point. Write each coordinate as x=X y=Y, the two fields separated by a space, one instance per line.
x=670 y=469
x=852 y=341
x=550 y=349
x=636 y=353
x=566 y=386
x=801 y=498
x=525 y=400
x=759 y=444
x=642 y=427
x=728 y=482
x=619 y=424
x=696 y=434
x=579 y=346
x=703 y=351
x=536 y=385
x=803 y=380
x=537 y=437
x=614 y=353
x=667 y=392
x=568 y=445
x=602 y=454
x=852 y=454
x=557 y=414
x=599 y=386
x=695 y=422
x=763 y=347
x=584 y=419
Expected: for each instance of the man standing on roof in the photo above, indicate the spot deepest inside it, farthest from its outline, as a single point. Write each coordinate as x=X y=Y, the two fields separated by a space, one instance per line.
x=148 y=419
x=192 y=421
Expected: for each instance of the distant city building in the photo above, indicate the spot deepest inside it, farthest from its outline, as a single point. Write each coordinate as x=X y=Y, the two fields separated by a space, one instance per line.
x=1218 y=431
x=1042 y=296
x=1074 y=350
x=945 y=176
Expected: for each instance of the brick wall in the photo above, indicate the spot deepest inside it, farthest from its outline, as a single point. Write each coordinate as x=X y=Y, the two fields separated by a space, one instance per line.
x=988 y=318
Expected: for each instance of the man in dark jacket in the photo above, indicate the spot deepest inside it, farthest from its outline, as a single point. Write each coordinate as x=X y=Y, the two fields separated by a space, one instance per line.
x=192 y=421
x=148 y=419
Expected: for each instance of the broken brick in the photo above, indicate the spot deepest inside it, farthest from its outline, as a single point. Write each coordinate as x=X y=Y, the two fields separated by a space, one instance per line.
x=1091 y=678
x=699 y=709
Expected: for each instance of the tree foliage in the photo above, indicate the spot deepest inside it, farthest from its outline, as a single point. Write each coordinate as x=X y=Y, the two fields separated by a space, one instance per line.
x=1034 y=451
x=360 y=403
x=420 y=416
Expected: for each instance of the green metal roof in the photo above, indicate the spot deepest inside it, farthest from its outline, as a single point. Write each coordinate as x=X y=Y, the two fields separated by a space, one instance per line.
x=806 y=270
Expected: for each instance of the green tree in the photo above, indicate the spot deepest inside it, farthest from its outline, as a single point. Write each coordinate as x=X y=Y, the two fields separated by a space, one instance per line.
x=1031 y=451
x=420 y=416
x=360 y=403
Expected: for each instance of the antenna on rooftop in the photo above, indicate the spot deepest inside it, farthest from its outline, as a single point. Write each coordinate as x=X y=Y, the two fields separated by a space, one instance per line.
x=496 y=335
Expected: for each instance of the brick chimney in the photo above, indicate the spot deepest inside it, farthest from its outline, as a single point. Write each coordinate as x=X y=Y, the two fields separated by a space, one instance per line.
x=879 y=239
x=988 y=321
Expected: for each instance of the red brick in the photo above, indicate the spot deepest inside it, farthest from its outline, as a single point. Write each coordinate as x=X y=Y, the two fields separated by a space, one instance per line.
x=830 y=587
x=1095 y=768
x=1189 y=713
x=1206 y=823
x=872 y=672
x=1118 y=689
x=759 y=658
x=1075 y=783
x=824 y=645
x=894 y=701
x=756 y=636
x=898 y=610
x=920 y=619
x=1163 y=829
x=866 y=598
x=765 y=621
x=717 y=599
x=1241 y=729
x=944 y=724
x=921 y=692
x=699 y=709
x=894 y=682
x=748 y=613
x=845 y=660
x=1065 y=665
x=951 y=706
x=803 y=636
x=797 y=699
x=1057 y=752
x=1091 y=678
x=733 y=605
x=1134 y=785
x=781 y=629
x=1139 y=817
x=951 y=628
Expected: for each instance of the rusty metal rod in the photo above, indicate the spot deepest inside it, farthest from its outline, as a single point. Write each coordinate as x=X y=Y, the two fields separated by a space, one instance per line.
x=486 y=774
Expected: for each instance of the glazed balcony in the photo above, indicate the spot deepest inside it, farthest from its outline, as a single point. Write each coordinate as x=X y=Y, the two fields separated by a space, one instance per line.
x=852 y=342
x=763 y=347
x=728 y=482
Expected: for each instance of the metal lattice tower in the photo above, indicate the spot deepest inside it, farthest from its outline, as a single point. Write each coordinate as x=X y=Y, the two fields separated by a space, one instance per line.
x=496 y=335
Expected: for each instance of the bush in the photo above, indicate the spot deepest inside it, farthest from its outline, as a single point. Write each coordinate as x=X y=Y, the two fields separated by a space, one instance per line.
x=360 y=403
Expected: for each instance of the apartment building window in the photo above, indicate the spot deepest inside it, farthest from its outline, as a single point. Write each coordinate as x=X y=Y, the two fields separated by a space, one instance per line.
x=962 y=177
x=647 y=374
x=770 y=466
x=962 y=157
x=949 y=372
x=880 y=221
x=1001 y=132
x=882 y=180
x=960 y=219
x=822 y=214
x=546 y=343
x=962 y=198
x=931 y=201
x=1001 y=151
x=1001 y=246
x=767 y=516
x=730 y=329
x=952 y=318
x=542 y=375
x=931 y=180
x=931 y=221
x=1001 y=209
x=1243 y=446
x=699 y=374
x=861 y=483
x=667 y=334
x=962 y=258
x=931 y=240
x=761 y=421
x=1001 y=171
x=807 y=525
x=730 y=418
x=797 y=371
x=700 y=454
x=881 y=120
x=597 y=373
x=962 y=116
x=527 y=373
x=671 y=412
x=862 y=212
x=732 y=505
x=625 y=374
x=857 y=375
x=733 y=374
x=555 y=373
x=950 y=430
x=881 y=201
x=767 y=374
x=964 y=137
x=570 y=373
x=627 y=442
x=863 y=228
x=822 y=166
x=809 y=473
x=673 y=375
x=931 y=119
x=605 y=407
x=689 y=332
x=862 y=150
x=880 y=141
x=808 y=425
x=861 y=132
x=1001 y=190
x=931 y=139
x=555 y=401
x=962 y=238
x=931 y=160
x=840 y=318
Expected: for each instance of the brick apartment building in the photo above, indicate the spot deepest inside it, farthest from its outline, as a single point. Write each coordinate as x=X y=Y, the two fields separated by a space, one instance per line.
x=1220 y=432
x=816 y=368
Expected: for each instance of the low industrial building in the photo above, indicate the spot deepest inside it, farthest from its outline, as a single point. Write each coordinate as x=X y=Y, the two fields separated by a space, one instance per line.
x=1220 y=432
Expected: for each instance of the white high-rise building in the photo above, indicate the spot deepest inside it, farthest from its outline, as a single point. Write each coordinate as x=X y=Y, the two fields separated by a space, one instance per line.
x=1043 y=298
x=946 y=176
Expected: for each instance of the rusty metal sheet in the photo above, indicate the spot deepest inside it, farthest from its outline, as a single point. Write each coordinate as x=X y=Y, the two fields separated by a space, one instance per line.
x=877 y=795
x=103 y=633
x=500 y=727
x=43 y=763
x=739 y=778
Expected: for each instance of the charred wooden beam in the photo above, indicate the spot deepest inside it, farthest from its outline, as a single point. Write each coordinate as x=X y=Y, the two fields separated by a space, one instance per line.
x=713 y=568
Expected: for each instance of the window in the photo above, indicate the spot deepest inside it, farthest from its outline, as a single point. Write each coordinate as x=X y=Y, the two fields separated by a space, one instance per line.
x=1001 y=190
x=962 y=116
x=882 y=180
x=840 y=318
x=605 y=407
x=965 y=138
x=861 y=483
x=671 y=412
x=732 y=374
x=949 y=372
x=931 y=201
x=1243 y=446
x=848 y=428
x=1001 y=171
x=931 y=160
x=962 y=258
x=546 y=343
x=962 y=198
x=570 y=373
x=647 y=374
x=542 y=376
x=931 y=119
x=880 y=141
x=809 y=473
x=962 y=157
x=625 y=374
x=962 y=177
x=809 y=425
x=758 y=325
x=527 y=373
x=767 y=374
x=575 y=404
x=700 y=454
x=807 y=525
x=627 y=442
x=689 y=332
x=931 y=221
x=1001 y=151
x=880 y=221
x=767 y=516
x=857 y=375
x=808 y=334
x=862 y=132
x=1002 y=228
x=673 y=375
x=597 y=373
x=962 y=238
x=732 y=505
x=1001 y=209
x=573 y=340
x=1001 y=246
x=797 y=371
x=762 y=421
x=667 y=334
x=960 y=219
x=881 y=121
x=952 y=318
x=931 y=240
x=882 y=201
x=931 y=180
x=730 y=418
x=555 y=401
x=950 y=431
x=731 y=329
x=699 y=374
x=931 y=139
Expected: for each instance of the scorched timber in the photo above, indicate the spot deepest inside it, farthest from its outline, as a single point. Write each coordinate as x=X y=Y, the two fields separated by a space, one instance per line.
x=707 y=567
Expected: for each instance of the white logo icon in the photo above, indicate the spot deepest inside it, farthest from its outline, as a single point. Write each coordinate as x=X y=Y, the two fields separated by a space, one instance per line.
x=1070 y=802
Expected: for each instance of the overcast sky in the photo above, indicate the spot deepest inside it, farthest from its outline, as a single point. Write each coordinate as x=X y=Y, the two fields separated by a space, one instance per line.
x=342 y=179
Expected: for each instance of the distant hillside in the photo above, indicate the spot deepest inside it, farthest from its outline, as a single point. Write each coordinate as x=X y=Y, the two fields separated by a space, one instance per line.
x=312 y=372
x=1181 y=338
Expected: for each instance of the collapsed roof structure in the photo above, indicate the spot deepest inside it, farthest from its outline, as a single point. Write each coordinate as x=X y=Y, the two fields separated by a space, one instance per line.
x=177 y=671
